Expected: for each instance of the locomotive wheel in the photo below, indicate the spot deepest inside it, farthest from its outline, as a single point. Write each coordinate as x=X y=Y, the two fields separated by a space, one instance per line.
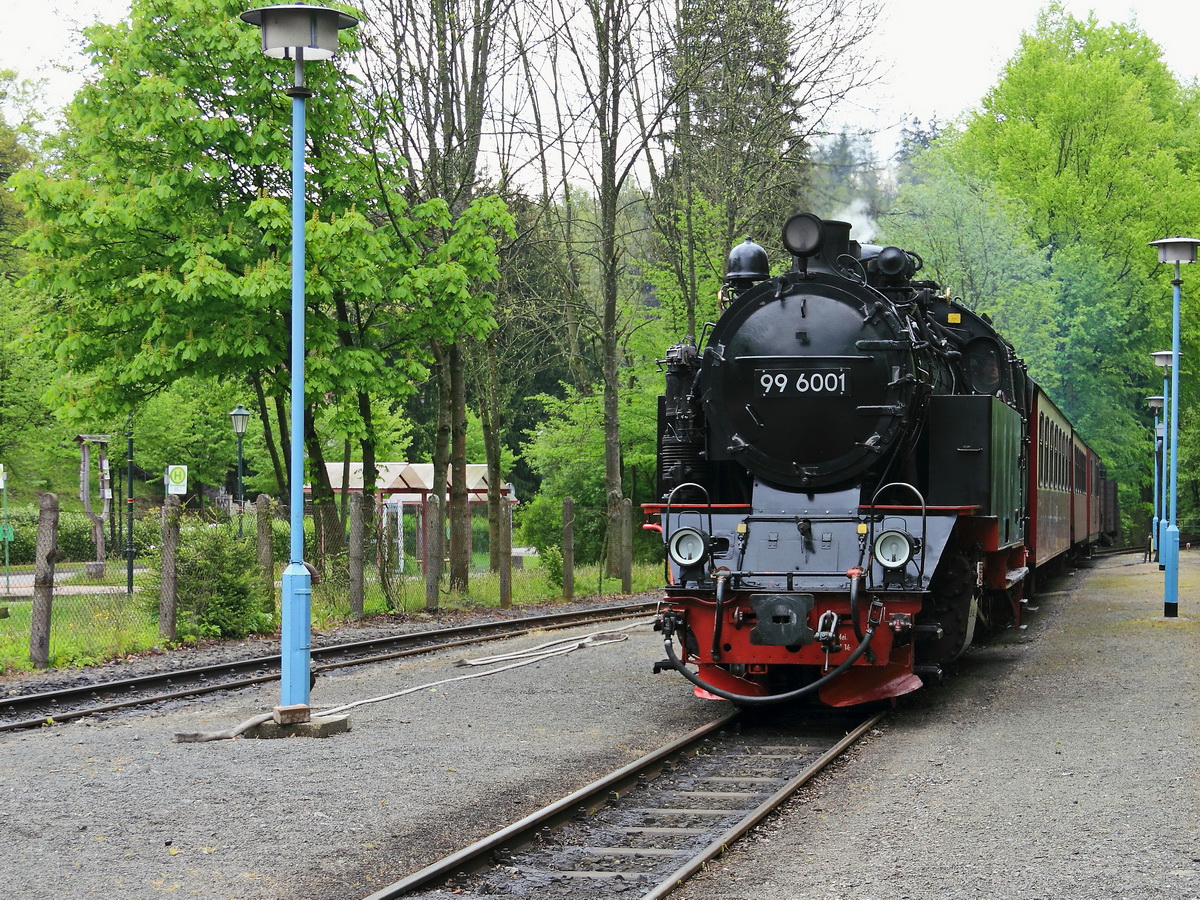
x=954 y=606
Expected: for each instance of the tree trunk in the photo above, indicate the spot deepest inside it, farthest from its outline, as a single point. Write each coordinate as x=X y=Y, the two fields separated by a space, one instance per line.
x=356 y=555
x=268 y=432
x=492 y=421
x=329 y=530
x=266 y=550
x=505 y=557
x=568 y=549
x=435 y=525
x=460 y=512
x=433 y=551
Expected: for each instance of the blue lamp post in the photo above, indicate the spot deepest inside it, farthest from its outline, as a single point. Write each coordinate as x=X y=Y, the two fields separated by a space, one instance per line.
x=297 y=32
x=1177 y=250
x=1156 y=403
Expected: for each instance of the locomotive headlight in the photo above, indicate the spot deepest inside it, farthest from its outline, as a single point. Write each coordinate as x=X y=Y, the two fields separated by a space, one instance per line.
x=687 y=547
x=803 y=234
x=893 y=549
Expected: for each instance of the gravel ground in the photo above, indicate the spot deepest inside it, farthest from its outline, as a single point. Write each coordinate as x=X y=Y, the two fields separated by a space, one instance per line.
x=117 y=809
x=1059 y=762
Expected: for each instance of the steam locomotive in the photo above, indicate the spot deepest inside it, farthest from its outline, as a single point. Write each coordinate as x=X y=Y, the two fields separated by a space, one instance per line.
x=857 y=478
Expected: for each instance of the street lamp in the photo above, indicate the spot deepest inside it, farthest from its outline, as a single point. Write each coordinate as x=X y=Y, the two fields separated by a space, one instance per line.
x=297 y=32
x=1156 y=403
x=1177 y=250
x=240 y=417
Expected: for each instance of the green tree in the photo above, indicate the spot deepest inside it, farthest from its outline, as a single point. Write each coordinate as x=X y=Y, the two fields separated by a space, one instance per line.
x=14 y=156
x=1088 y=130
x=973 y=239
x=163 y=236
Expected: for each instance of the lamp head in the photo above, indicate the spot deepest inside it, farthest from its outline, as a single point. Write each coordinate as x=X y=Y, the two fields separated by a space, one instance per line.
x=312 y=29
x=1162 y=358
x=1155 y=402
x=240 y=417
x=1176 y=249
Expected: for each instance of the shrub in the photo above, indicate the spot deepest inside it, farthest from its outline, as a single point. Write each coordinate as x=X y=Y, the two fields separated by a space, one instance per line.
x=217 y=590
x=75 y=536
x=552 y=565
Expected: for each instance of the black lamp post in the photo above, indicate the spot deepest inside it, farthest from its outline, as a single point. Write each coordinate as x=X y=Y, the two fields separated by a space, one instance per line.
x=240 y=417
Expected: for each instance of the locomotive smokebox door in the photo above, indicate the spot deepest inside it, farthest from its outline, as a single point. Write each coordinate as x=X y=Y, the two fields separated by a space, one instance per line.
x=782 y=620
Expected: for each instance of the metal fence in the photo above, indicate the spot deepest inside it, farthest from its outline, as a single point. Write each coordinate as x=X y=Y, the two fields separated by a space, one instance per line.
x=78 y=613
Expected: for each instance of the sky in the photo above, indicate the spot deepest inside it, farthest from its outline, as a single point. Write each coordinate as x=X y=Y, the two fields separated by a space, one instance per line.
x=937 y=57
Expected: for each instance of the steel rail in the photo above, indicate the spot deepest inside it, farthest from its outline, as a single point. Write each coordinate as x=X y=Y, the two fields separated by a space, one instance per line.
x=478 y=855
x=338 y=656
x=760 y=812
x=483 y=854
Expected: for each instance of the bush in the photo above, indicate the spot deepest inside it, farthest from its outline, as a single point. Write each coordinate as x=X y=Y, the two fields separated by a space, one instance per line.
x=552 y=565
x=75 y=536
x=217 y=591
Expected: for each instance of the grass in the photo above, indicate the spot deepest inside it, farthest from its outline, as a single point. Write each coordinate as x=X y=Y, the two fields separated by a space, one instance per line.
x=86 y=629
x=90 y=628
x=530 y=587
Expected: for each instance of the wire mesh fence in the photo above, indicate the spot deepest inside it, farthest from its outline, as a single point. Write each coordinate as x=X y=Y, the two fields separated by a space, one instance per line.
x=224 y=578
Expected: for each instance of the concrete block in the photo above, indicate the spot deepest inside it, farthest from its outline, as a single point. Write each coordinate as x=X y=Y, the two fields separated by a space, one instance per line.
x=317 y=727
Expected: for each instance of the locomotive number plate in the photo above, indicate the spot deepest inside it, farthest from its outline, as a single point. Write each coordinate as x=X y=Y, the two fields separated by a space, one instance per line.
x=802 y=382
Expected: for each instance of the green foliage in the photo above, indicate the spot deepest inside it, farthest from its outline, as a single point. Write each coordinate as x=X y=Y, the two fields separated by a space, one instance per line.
x=188 y=424
x=162 y=244
x=552 y=565
x=1042 y=208
x=74 y=536
x=218 y=593
x=972 y=238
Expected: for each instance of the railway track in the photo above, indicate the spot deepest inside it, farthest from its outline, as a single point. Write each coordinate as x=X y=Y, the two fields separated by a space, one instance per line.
x=646 y=828
x=35 y=710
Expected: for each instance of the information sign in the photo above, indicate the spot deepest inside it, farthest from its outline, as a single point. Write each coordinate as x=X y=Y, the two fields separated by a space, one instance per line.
x=176 y=479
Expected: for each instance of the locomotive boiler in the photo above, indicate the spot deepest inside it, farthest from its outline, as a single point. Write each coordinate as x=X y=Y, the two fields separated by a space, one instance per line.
x=849 y=478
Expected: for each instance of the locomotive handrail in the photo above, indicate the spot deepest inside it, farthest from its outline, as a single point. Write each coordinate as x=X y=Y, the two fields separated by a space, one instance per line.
x=924 y=525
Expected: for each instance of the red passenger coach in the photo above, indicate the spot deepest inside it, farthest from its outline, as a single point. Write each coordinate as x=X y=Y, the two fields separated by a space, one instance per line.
x=1073 y=505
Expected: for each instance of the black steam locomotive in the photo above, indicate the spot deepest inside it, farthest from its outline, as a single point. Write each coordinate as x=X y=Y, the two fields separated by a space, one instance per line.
x=857 y=478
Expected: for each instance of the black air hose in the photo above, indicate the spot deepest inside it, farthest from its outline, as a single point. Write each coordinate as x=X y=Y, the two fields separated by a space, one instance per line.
x=747 y=700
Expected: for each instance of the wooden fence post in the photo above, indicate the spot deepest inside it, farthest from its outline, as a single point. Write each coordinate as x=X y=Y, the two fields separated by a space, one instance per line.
x=568 y=549
x=168 y=583
x=505 y=553
x=356 y=555
x=43 y=581
x=266 y=548
x=626 y=561
x=435 y=542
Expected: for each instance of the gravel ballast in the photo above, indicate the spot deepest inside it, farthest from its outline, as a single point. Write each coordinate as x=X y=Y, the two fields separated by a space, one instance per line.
x=118 y=809
x=1056 y=762
x=1061 y=762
